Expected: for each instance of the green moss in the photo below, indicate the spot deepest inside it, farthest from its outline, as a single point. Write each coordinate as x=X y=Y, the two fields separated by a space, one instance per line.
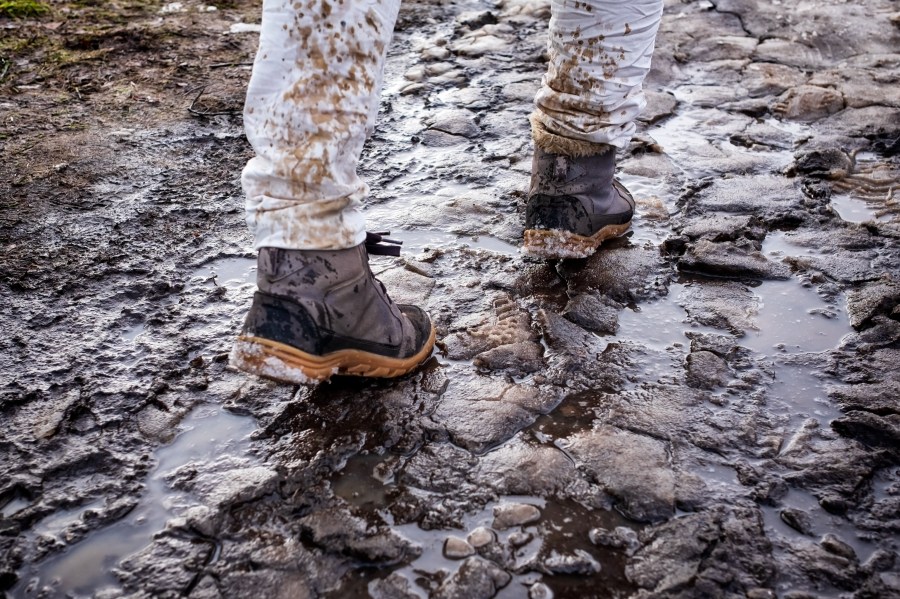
x=16 y=45
x=20 y=9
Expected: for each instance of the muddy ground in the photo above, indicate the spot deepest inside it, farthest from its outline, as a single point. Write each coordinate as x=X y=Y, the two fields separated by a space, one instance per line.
x=709 y=407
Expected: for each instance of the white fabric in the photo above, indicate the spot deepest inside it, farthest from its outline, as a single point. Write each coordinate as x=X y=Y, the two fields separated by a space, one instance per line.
x=312 y=99
x=314 y=94
x=600 y=53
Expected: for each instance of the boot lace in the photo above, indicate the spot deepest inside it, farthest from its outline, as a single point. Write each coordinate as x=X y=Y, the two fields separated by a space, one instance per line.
x=378 y=244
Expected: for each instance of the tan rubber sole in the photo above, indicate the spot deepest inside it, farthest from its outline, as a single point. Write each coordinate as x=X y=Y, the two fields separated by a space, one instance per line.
x=281 y=362
x=556 y=243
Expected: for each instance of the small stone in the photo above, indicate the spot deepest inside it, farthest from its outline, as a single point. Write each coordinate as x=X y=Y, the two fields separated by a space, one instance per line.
x=621 y=537
x=832 y=544
x=797 y=519
x=435 y=53
x=834 y=504
x=476 y=18
x=515 y=514
x=477 y=578
x=760 y=594
x=706 y=370
x=456 y=548
x=880 y=561
x=481 y=537
x=581 y=562
x=596 y=314
x=539 y=591
x=518 y=539
x=395 y=586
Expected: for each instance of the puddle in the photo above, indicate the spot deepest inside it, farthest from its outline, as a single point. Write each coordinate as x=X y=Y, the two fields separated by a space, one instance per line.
x=563 y=527
x=86 y=568
x=696 y=137
x=660 y=324
x=801 y=391
x=415 y=242
x=575 y=413
x=793 y=319
x=885 y=484
x=821 y=523
x=133 y=332
x=56 y=524
x=854 y=210
x=228 y=272
x=14 y=506
x=777 y=245
x=650 y=224
x=358 y=484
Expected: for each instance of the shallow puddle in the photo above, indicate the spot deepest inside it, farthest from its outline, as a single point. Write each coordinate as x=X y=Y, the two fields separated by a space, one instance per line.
x=820 y=524
x=133 y=332
x=854 y=210
x=793 y=318
x=660 y=324
x=563 y=528
x=86 y=567
x=15 y=505
x=227 y=272
x=417 y=241
x=798 y=392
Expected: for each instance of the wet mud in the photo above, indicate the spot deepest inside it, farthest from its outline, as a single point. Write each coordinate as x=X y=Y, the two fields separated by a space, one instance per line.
x=706 y=407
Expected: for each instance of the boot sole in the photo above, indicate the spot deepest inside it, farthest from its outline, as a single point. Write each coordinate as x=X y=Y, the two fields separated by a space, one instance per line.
x=286 y=364
x=557 y=244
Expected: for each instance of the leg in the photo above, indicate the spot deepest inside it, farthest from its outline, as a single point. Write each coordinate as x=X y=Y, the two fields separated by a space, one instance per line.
x=600 y=53
x=312 y=99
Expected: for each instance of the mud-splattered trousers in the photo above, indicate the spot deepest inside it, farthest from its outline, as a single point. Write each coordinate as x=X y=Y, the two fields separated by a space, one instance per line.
x=314 y=95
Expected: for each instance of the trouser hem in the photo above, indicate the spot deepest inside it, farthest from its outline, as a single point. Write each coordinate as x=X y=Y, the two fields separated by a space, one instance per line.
x=565 y=146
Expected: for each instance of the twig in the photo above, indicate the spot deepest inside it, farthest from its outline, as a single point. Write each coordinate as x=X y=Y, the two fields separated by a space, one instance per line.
x=196 y=112
x=220 y=65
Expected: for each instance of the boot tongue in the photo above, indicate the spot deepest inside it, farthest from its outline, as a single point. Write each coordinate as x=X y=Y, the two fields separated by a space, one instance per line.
x=377 y=244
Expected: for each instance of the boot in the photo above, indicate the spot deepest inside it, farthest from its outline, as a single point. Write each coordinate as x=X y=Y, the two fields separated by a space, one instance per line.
x=322 y=312
x=574 y=204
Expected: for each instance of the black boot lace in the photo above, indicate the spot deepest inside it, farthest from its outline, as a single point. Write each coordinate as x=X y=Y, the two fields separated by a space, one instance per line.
x=377 y=244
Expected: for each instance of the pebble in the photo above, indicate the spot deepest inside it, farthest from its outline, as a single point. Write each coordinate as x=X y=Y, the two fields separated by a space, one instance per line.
x=833 y=544
x=456 y=548
x=515 y=514
x=539 y=591
x=481 y=537
x=581 y=562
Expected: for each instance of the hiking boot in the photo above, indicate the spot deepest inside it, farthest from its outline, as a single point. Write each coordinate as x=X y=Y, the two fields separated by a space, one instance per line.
x=322 y=312
x=574 y=205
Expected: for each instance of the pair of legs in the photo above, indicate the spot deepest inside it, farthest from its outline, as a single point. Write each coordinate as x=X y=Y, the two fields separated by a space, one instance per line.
x=312 y=100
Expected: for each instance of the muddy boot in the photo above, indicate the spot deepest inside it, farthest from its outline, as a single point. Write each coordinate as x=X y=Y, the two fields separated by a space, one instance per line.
x=574 y=204
x=319 y=313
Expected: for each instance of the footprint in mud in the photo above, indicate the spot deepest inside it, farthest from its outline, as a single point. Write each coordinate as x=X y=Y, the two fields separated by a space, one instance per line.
x=506 y=340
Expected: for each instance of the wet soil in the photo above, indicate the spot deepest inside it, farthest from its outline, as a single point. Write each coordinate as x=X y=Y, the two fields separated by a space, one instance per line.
x=707 y=407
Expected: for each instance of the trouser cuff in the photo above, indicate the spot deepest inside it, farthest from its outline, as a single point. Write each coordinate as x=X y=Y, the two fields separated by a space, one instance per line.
x=565 y=146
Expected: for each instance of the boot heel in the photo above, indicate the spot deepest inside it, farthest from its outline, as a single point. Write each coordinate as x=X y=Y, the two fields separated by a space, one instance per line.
x=260 y=358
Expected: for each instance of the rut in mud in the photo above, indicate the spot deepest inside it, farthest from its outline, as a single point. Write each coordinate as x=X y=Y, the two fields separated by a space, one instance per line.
x=707 y=407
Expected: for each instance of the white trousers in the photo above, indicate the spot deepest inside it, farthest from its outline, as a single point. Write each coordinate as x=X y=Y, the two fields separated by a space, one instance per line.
x=314 y=94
